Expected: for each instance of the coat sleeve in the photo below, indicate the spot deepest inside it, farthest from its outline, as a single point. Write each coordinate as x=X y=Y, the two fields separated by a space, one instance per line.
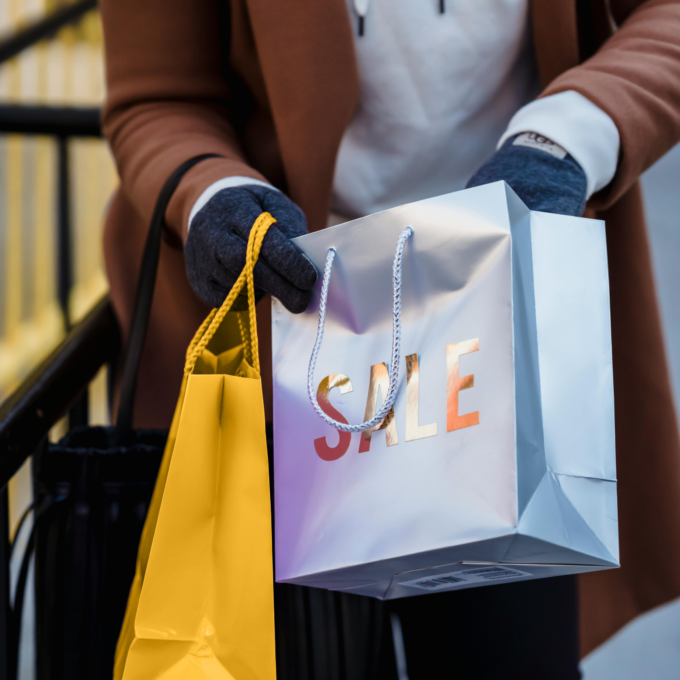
x=635 y=78
x=167 y=100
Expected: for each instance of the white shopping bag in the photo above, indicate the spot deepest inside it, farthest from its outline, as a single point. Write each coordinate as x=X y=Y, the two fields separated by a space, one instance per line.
x=497 y=460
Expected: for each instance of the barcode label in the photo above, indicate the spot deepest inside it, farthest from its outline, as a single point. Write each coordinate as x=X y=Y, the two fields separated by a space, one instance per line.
x=465 y=577
x=440 y=581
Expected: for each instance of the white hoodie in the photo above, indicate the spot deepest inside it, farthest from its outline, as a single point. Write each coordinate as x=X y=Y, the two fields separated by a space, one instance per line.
x=438 y=92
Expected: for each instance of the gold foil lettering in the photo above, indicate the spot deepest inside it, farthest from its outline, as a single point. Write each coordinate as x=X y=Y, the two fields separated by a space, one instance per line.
x=413 y=430
x=454 y=384
x=379 y=381
x=343 y=383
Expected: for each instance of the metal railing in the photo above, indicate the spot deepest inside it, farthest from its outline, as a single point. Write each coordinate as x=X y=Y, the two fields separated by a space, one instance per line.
x=44 y=28
x=27 y=416
x=58 y=386
x=60 y=122
x=54 y=389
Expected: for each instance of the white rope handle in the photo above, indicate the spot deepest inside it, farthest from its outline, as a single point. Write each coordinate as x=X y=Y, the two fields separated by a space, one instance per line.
x=396 y=340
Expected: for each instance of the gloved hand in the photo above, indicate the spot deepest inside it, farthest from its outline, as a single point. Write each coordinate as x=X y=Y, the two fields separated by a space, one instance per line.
x=215 y=250
x=542 y=179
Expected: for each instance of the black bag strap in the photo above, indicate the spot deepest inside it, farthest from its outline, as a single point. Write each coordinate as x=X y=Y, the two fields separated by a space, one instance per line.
x=17 y=606
x=144 y=298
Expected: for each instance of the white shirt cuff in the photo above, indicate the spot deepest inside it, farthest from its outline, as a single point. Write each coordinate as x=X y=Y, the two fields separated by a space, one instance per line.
x=580 y=127
x=215 y=187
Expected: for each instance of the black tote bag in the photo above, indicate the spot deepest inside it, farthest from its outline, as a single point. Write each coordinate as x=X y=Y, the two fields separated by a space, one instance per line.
x=91 y=493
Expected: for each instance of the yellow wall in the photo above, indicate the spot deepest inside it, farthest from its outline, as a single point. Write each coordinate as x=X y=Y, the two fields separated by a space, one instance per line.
x=67 y=70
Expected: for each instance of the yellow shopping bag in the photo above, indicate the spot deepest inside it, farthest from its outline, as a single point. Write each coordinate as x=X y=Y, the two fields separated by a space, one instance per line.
x=202 y=601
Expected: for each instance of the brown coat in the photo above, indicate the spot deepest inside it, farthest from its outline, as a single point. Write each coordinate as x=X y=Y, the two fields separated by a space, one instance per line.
x=275 y=99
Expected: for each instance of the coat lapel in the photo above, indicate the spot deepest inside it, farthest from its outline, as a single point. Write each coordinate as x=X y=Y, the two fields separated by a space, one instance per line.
x=306 y=51
x=555 y=37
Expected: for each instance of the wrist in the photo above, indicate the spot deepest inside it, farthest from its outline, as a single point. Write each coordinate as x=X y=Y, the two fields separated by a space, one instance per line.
x=577 y=125
x=220 y=185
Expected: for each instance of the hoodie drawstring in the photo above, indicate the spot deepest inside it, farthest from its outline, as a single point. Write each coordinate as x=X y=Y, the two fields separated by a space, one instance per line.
x=361 y=8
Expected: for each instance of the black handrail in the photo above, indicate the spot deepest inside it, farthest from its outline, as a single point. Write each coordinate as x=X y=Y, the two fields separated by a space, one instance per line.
x=61 y=380
x=46 y=395
x=44 y=28
x=57 y=121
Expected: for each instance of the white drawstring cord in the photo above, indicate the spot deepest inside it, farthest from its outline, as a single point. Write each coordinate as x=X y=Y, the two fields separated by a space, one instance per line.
x=396 y=340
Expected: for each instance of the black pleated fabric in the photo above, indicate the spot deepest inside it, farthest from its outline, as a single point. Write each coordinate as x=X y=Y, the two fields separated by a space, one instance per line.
x=96 y=497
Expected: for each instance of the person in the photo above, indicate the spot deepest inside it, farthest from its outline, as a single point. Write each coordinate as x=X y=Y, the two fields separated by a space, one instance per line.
x=322 y=111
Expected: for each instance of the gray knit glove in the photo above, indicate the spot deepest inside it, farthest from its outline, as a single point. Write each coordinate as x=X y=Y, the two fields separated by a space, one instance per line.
x=215 y=250
x=544 y=181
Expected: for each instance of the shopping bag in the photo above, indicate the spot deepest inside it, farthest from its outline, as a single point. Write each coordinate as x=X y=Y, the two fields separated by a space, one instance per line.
x=202 y=602
x=455 y=425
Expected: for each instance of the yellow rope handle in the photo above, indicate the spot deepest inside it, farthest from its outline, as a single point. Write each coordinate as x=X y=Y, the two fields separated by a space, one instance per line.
x=253 y=252
x=212 y=323
x=245 y=336
x=199 y=333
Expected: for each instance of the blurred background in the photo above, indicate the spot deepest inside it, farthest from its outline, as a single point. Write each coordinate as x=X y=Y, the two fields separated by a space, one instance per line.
x=54 y=190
